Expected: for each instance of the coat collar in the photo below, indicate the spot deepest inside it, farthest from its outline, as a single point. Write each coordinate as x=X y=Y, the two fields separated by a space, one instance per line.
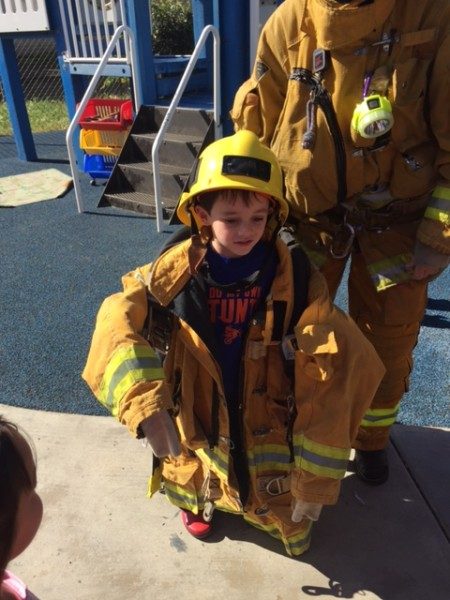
x=336 y=25
x=170 y=273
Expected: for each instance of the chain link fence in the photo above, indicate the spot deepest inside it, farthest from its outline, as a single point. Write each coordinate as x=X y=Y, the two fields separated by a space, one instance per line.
x=41 y=79
x=41 y=83
x=38 y=69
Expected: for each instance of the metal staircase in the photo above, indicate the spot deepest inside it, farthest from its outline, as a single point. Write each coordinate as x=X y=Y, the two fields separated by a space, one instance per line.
x=131 y=184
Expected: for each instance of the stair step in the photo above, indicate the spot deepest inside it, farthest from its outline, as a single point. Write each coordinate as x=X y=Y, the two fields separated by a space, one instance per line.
x=138 y=202
x=188 y=121
x=171 y=137
x=148 y=166
x=139 y=177
x=176 y=149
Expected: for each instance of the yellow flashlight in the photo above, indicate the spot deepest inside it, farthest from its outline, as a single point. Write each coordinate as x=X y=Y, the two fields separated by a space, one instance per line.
x=373 y=116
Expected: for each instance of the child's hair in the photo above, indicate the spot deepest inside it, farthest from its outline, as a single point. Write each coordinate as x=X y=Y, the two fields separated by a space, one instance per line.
x=14 y=481
x=208 y=199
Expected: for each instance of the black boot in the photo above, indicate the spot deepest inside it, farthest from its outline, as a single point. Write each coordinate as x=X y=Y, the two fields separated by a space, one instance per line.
x=371 y=466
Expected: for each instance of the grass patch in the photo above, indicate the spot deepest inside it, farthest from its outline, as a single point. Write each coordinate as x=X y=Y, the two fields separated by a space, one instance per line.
x=44 y=115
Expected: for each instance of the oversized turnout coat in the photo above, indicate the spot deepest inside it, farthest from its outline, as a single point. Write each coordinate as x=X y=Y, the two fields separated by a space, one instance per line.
x=297 y=435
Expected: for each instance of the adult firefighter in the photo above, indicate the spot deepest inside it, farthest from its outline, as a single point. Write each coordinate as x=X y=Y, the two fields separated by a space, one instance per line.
x=353 y=98
x=263 y=382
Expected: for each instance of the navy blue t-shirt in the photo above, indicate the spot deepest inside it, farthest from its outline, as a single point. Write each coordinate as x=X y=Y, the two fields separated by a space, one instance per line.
x=235 y=287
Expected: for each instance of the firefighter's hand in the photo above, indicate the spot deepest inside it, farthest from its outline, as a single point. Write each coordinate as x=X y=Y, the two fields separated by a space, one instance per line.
x=305 y=510
x=427 y=263
x=161 y=434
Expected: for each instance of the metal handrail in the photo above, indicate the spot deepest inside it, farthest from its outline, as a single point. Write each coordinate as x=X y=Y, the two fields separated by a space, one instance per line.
x=174 y=103
x=87 y=95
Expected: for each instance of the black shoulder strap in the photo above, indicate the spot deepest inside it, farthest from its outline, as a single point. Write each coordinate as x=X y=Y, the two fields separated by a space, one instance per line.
x=158 y=326
x=302 y=272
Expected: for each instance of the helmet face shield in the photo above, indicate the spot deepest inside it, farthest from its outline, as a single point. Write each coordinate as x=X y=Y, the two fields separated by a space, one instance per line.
x=236 y=162
x=249 y=167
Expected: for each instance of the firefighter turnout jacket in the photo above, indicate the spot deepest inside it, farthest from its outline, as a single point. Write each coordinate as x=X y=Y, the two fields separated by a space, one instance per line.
x=297 y=431
x=301 y=103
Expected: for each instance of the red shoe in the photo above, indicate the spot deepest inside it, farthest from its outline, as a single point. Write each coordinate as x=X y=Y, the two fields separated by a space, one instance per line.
x=195 y=524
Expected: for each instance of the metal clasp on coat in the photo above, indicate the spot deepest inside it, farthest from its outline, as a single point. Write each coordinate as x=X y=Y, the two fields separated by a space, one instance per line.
x=277 y=485
x=342 y=241
x=208 y=511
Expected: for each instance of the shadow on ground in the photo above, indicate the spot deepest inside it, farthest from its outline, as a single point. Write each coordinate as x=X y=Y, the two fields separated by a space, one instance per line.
x=372 y=541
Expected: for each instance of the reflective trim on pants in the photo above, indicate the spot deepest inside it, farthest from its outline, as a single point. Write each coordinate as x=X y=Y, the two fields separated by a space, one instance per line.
x=439 y=206
x=390 y=271
x=380 y=417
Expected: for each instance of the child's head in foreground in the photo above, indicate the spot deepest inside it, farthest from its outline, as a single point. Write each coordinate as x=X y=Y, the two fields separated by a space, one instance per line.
x=20 y=506
x=237 y=194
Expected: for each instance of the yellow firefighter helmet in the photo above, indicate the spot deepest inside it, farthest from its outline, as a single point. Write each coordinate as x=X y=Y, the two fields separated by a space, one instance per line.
x=241 y=162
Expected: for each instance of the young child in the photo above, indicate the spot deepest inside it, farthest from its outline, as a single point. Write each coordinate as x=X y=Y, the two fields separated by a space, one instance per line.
x=20 y=506
x=260 y=391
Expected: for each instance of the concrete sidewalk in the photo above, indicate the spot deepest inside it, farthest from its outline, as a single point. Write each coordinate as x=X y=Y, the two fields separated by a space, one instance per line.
x=102 y=539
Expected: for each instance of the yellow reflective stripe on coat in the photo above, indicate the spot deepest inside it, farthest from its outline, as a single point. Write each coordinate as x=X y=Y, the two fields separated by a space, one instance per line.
x=295 y=544
x=178 y=495
x=439 y=206
x=380 y=417
x=320 y=459
x=216 y=460
x=154 y=482
x=127 y=366
x=390 y=271
x=268 y=458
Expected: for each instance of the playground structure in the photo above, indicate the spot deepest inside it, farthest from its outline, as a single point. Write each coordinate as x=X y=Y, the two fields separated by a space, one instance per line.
x=82 y=30
x=97 y=38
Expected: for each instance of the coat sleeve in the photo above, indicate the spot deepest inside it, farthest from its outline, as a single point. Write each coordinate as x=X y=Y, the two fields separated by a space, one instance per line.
x=259 y=101
x=122 y=370
x=434 y=230
x=337 y=374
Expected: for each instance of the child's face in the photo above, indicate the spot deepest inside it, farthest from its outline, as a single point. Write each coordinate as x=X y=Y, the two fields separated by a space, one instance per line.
x=236 y=225
x=30 y=509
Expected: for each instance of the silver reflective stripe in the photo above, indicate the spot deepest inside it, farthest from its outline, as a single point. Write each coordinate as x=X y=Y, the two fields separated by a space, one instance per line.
x=127 y=366
x=142 y=368
x=295 y=544
x=325 y=461
x=439 y=206
x=215 y=459
x=390 y=271
x=268 y=457
x=380 y=417
x=440 y=203
x=180 y=497
x=320 y=459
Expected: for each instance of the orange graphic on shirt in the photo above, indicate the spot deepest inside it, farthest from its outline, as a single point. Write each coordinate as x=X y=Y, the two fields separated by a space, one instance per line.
x=231 y=334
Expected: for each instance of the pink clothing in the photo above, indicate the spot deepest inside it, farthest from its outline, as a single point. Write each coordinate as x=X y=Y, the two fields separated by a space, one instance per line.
x=15 y=587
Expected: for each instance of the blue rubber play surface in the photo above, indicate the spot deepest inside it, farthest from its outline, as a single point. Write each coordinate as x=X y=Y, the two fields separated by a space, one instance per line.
x=58 y=265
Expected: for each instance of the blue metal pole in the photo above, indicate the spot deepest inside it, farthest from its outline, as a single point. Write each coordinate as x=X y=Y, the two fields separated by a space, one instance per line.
x=15 y=101
x=138 y=20
x=202 y=15
x=234 y=28
x=73 y=86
